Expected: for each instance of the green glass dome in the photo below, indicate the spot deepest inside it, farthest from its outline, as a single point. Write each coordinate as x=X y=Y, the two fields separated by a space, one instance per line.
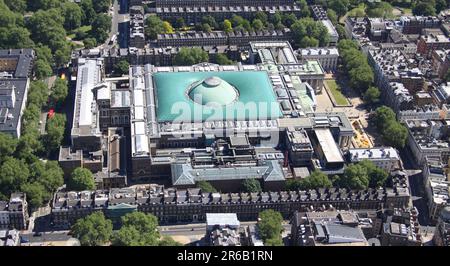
x=212 y=90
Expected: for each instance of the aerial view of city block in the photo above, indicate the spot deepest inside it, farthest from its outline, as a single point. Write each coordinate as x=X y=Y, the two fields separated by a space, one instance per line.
x=224 y=123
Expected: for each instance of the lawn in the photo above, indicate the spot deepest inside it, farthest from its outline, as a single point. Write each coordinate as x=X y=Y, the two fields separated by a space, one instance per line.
x=336 y=91
x=82 y=28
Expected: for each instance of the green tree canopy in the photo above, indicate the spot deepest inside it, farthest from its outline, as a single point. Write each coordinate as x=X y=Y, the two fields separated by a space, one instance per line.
x=257 y=24
x=167 y=27
x=93 y=230
x=101 y=6
x=355 y=177
x=395 y=135
x=206 y=187
x=227 y=26
x=307 y=27
x=270 y=226
x=222 y=59
x=36 y=194
x=73 y=15
x=122 y=67
x=153 y=27
x=19 y=6
x=372 y=95
x=383 y=117
x=8 y=145
x=211 y=21
x=13 y=173
x=424 y=8
x=90 y=43
x=377 y=176
x=138 y=229
x=101 y=26
x=59 y=91
x=55 y=131
x=190 y=56
x=317 y=179
x=81 y=179
x=88 y=15
x=339 y=6
x=251 y=185
x=168 y=241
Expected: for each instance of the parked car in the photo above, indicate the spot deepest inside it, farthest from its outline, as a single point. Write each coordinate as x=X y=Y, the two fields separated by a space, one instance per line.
x=37 y=234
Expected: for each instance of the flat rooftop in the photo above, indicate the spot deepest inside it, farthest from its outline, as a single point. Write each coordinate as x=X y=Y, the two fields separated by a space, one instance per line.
x=330 y=149
x=222 y=219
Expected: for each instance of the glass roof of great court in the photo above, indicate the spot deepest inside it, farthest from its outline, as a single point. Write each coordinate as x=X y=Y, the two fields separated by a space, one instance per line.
x=236 y=95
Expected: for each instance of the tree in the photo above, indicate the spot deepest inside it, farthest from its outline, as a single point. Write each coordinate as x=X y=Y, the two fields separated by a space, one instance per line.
x=101 y=6
x=424 y=9
x=13 y=173
x=167 y=27
x=276 y=18
x=43 y=4
x=341 y=31
x=383 y=116
x=138 y=229
x=36 y=194
x=19 y=6
x=46 y=27
x=357 y=12
x=308 y=42
x=251 y=185
x=361 y=77
x=168 y=241
x=332 y=16
x=289 y=19
x=52 y=176
x=93 y=230
x=441 y=5
x=307 y=32
x=89 y=13
x=277 y=241
x=372 y=95
x=100 y=27
x=42 y=69
x=122 y=67
x=72 y=15
x=222 y=59
x=261 y=16
x=227 y=26
x=304 y=8
x=206 y=187
x=90 y=43
x=127 y=236
x=55 y=131
x=377 y=176
x=339 y=6
x=153 y=27
x=206 y=28
x=179 y=22
x=60 y=90
x=8 y=145
x=355 y=177
x=81 y=179
x=257 y=25
x=190 y=56
x=395 y=135
x=210 y=20
x=317 y=179
x=270 y=227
